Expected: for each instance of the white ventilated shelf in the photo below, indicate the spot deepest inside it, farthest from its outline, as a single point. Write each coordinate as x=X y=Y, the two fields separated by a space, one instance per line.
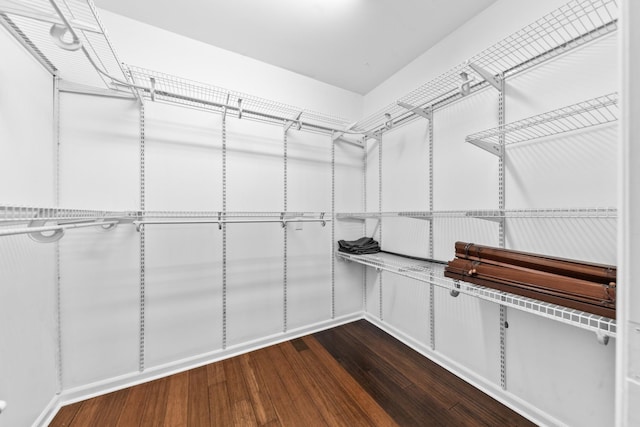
x=18 y=18
x=598 y=111
x=570 y=26
x=16 y=220
x=188 y=93
x=605 y=212
x=433 y=273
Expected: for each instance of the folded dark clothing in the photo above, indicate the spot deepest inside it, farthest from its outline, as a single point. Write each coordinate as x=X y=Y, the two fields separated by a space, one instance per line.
x=364 y=245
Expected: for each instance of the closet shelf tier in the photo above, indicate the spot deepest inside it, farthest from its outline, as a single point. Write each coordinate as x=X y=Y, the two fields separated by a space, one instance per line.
x=488 y=214
x=597 y=111
x=31 y=22
x=433 y=273
x=572 y=25
x=36 y=222
x=188 y=93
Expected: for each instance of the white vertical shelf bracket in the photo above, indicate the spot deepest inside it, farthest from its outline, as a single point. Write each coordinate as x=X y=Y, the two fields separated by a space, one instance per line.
x=495 y=149
x=427 y=112
x=493 y=80
x=224 y=108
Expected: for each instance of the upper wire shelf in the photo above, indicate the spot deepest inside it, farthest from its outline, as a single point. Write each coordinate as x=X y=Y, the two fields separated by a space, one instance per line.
x=572 y=25
x=597 y=111
x=32 y=23
x=433 y=273
x=177 y=90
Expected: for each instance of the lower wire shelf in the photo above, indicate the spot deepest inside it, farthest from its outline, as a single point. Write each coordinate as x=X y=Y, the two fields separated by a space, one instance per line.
x=433 y=273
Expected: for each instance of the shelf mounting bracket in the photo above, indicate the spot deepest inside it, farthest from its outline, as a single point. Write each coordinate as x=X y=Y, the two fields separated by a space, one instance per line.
x=490 y=147
x=339 y=137
x=224 y=108
x=239 y=108
x=497 y=218
x=493 y=80
x=373 y=135
x=152 y=91
x=427 y=113
x=295 y=121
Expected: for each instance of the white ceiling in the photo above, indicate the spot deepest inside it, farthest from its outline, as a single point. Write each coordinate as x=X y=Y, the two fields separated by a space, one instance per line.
x=352 y=44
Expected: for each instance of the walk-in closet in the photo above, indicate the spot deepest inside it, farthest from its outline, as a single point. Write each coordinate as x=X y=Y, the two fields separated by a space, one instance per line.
x=319 y=213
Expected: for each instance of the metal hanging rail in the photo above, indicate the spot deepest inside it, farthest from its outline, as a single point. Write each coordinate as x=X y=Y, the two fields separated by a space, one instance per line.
x=572 y=25
x=40 y=221
x=597 y=111
x=433 y=273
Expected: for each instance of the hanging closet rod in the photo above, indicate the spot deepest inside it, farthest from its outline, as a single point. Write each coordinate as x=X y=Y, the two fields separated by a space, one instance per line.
x=58 y=227
x=228 y=221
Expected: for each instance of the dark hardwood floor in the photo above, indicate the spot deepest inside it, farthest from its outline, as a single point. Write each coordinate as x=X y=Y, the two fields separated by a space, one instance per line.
x=353 y=375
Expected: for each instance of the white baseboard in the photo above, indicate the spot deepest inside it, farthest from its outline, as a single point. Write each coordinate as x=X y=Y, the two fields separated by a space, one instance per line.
x=118 y=383
x=50 y=411
x=522 y=407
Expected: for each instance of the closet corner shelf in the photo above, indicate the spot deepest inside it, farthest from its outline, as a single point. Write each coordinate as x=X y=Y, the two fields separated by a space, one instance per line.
x=433 y=273
x=597 y=111
x=572 y=25
x=88 y=63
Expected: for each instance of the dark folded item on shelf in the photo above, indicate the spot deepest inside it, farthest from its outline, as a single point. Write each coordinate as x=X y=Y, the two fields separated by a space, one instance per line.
x=584 y=286
x=362 y=246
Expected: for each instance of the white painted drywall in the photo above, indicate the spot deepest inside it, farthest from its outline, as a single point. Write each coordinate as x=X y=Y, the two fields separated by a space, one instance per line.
x=150 y=47
x=27 y=269
x=559 y=371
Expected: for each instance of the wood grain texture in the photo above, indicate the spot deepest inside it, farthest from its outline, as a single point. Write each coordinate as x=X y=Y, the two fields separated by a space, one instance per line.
x=353 y=375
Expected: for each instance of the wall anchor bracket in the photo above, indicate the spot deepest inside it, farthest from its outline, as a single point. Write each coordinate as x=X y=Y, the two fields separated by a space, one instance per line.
x=602 y=338
x=465 y=86
x=454 y=293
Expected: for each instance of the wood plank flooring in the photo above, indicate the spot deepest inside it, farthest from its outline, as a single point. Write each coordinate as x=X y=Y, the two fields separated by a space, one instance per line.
x=353 y=375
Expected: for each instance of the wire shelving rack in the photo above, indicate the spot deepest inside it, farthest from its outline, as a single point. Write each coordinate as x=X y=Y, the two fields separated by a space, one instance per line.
x=433 y=273
x=597 y=111
x=572 y=25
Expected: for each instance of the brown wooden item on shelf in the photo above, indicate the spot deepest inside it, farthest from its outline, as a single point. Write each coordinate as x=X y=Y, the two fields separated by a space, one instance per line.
x=583 y=286
x=599 y=273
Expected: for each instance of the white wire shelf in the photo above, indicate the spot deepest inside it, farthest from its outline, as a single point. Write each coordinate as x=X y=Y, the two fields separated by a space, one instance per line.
x=176 y=90
x=597 y=111
x=22 y=214
x=572 y=25
x=606 y=212
x=31 y=21
x=39 y=220
x=433 y=273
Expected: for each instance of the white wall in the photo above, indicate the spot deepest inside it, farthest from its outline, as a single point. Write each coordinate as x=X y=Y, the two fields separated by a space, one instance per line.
x=554 y=372
x=144 y=45
x=184 y=296
x=27 y=294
